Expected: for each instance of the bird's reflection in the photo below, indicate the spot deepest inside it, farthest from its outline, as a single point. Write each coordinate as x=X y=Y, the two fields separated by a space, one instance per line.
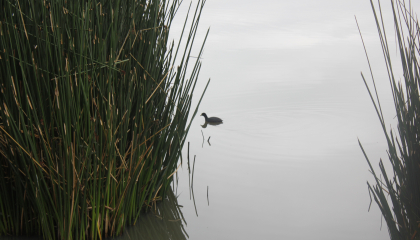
x=211 y=123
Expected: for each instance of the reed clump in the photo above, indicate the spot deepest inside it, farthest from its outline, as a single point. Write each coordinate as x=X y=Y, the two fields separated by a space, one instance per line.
x=398 y=195
x=93 y=113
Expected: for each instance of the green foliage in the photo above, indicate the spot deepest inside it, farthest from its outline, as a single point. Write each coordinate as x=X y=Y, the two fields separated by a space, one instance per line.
x=398 y=196
x=93 y=115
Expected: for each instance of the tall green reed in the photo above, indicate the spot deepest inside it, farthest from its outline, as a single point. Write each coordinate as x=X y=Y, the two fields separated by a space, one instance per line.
x=398 y=196
x=93 y=113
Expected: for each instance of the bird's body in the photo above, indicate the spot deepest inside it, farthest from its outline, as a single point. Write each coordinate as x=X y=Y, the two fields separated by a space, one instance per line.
x=211 y=119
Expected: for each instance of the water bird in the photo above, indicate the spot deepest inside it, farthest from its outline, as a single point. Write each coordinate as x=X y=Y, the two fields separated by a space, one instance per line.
x=211 y=119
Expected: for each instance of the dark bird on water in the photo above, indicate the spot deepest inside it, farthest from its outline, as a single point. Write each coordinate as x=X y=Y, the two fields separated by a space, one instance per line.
x=211 y=119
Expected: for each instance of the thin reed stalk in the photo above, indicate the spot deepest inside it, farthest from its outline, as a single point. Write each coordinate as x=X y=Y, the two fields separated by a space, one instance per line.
x=93 y=113
x=398 y=195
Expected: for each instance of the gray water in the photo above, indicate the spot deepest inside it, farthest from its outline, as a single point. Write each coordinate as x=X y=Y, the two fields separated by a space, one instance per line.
x=286 y=164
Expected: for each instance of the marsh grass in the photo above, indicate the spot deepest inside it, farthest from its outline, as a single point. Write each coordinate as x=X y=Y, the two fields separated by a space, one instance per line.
x=93 y=113
x=398 y=195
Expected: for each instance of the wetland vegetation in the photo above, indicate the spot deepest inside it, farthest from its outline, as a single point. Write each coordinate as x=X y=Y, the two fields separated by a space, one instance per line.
x=398 y=194
x=95 y=102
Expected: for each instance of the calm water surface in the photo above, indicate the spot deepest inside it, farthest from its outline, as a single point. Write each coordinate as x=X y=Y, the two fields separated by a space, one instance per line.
x=285 y=164
x=285 y=78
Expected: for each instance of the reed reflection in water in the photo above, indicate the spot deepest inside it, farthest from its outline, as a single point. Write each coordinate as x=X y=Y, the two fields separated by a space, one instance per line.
x=165 y=221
